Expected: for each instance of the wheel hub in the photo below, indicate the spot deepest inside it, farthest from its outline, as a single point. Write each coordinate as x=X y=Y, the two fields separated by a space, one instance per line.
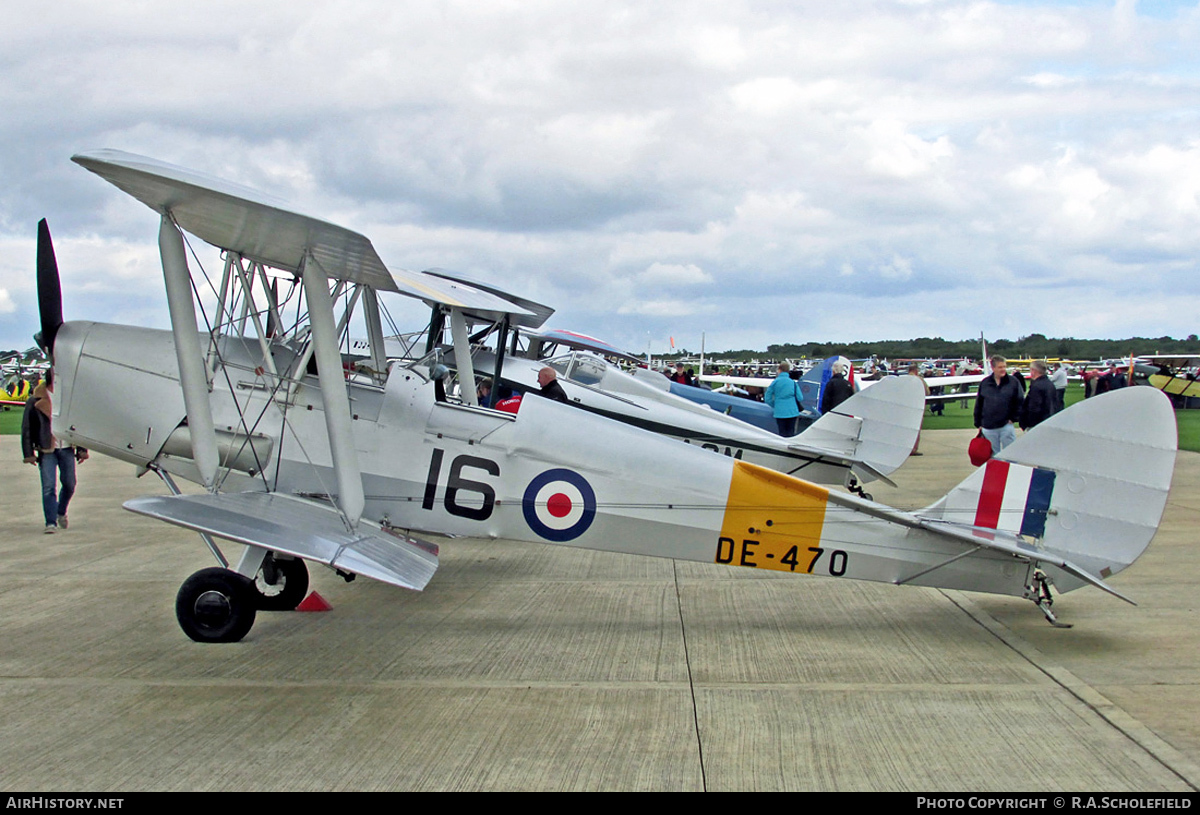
x=213 y=609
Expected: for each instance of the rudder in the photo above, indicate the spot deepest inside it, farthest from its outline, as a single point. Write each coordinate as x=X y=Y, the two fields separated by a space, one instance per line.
x=1089 y=484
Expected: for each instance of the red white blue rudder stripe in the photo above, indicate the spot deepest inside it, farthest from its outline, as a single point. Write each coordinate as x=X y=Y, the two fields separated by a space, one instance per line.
x=1004 y=496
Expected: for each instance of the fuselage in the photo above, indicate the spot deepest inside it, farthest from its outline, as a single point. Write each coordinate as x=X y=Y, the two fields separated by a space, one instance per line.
x=551 y=473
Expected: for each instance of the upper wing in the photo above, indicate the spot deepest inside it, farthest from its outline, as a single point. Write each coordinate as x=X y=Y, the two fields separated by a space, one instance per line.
x=954 y=381
x=264 y=229
x=240 y=219
x=572 y=339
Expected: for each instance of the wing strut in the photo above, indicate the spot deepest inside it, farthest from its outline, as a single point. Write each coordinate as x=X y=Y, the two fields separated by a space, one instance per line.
x=375 y=334
x=333 y=392
x=462 y=357
x=192 y=375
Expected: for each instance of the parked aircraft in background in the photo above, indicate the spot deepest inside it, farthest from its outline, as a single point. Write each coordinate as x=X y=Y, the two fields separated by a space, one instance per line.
x=1173 y=374
x=865 y=440
x=18 y=374
x=948 y=388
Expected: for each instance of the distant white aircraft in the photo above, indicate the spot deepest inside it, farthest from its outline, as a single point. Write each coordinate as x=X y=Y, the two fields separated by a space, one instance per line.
x=952 y=387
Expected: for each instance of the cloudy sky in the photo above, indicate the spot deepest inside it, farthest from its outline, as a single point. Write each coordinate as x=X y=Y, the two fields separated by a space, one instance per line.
x=759 y=171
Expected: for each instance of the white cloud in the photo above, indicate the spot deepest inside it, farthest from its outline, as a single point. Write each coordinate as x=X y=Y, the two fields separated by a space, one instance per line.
x=893 y=151
x=764 y=157
x=669 y=308
x=765 y=96
x=674 y=274
x=897 y=269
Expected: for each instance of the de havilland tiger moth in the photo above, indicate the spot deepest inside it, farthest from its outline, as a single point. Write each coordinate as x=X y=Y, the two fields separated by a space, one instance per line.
x=304 y=453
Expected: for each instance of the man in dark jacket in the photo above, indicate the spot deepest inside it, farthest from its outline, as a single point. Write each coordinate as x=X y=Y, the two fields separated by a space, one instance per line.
x=549 y=387
x=1042 y=400
x=837 y=389
x=998 y=405
x=39 y=446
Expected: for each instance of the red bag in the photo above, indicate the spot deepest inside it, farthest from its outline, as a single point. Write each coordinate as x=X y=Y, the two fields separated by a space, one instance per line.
x=980 y=449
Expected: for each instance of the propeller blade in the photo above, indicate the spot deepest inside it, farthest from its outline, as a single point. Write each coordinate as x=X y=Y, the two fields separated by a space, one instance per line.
x=49 y=290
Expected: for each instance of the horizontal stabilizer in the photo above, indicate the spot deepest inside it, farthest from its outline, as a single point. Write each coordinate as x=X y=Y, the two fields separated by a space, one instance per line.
x=295 y=526
x=976 y=538
x=1018 y=546
x=876 y=429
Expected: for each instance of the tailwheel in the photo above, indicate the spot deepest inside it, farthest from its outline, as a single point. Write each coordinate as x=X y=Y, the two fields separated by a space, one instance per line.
x=216 y=605
x=281 y=584
x=1039 y=593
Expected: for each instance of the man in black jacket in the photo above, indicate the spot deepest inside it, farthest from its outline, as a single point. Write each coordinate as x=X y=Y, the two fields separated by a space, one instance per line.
x=1041 y=402
x=837 y=389
x=549 y=387
x=39 y=446
x=998 y=405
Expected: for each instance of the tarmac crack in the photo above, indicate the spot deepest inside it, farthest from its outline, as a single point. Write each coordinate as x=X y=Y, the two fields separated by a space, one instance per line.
x=687 y=661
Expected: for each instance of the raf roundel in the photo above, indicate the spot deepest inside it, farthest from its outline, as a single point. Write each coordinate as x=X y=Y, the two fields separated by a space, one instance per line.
x=559 y=505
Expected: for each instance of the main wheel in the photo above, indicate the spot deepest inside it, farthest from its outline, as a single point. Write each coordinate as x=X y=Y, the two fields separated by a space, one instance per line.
x=216 y=605
x=281 y=584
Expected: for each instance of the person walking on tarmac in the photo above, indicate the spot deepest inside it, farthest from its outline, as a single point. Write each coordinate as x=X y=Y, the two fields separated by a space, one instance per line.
x=40 y=446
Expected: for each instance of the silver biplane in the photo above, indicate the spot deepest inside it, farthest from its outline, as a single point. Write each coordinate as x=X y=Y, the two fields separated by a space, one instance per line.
x=306 y=453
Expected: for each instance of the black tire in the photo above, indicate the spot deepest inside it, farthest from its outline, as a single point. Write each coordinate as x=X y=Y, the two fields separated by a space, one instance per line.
x=281 y=584
x=216 y=605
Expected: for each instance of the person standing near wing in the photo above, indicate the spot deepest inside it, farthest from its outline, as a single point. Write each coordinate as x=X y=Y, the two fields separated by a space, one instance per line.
x=1041 y=402
x=783 y=396
x=1059 y=380
x=837 y=389
x=57 y=464
x=915 y=370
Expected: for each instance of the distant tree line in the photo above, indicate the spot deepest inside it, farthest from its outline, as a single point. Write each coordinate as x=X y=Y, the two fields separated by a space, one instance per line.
x=1037 y=346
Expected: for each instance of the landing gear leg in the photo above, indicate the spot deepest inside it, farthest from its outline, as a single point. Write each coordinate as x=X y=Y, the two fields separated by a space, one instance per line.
x=1039 y=592
x=281 y=584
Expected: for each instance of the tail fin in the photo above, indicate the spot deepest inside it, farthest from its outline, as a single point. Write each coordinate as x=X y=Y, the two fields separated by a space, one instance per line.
x=1088 y=486
x=877 y=426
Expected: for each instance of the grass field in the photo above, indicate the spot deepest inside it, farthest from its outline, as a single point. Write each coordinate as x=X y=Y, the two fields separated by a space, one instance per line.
x=955 y=418
x=10 y=420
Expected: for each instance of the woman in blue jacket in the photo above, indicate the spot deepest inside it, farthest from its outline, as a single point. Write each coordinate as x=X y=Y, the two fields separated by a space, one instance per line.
x=783 y=395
